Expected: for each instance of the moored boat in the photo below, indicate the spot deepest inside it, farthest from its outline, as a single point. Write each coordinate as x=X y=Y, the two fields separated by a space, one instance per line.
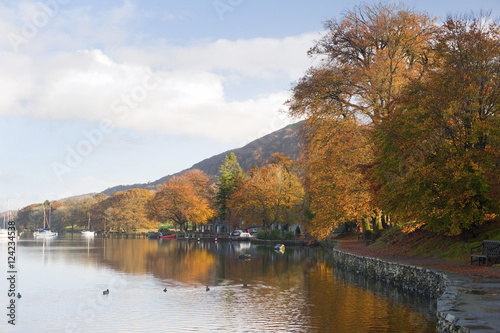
x=88 y=232
x=4 y=231
x=44 y=233
x=168 y=236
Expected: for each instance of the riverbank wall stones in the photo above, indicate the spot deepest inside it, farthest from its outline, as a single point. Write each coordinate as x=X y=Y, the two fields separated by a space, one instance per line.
x=410 y=278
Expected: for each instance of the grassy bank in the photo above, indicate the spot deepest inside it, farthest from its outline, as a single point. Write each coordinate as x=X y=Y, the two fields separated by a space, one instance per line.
x=422 y=243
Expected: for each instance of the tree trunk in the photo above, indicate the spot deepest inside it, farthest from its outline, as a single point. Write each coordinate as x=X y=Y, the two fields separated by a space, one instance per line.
x=366 y=224
x=378 y=221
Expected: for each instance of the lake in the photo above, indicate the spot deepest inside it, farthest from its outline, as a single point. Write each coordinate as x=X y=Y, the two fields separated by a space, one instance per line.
x=61 y=282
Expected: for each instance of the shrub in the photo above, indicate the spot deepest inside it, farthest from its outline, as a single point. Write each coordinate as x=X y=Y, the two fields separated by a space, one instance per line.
x=164 y=229
x=262 y=235
x=289 y=235
x=275 y=234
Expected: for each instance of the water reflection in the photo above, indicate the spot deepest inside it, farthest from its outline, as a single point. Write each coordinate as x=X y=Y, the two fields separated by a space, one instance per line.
x=296 y=291
x=299 y=285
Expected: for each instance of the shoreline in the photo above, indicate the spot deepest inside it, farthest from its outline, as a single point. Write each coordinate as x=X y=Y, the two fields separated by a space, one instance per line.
x=462 y=305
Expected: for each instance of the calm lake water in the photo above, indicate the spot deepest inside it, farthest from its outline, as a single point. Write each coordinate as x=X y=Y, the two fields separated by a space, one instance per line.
x=61 y=282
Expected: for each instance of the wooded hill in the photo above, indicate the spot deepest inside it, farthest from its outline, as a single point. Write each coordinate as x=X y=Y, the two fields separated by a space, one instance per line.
x=257 y=152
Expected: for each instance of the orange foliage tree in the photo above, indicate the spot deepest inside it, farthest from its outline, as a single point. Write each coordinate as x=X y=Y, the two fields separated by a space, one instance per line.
x=123 y=211
x=273 y=194
x=185 y=198
x=438 y=162
x=30 y=217
x=334 y=175
x=367 y=58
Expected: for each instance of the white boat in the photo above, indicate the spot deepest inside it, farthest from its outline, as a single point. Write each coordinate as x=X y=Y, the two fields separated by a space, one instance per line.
x=88 y=232
x=4 y=231
x=45 y=232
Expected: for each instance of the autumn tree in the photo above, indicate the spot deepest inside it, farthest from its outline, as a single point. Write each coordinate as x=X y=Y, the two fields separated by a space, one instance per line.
x=30 y=217
x=438 y=162
x=366 y=59
x=231 y=177
x=272 y=195
x=78 y=210
x=185 y=198
x=130 y=210
x=123 y=211
x=60 y=217
x=335 y=175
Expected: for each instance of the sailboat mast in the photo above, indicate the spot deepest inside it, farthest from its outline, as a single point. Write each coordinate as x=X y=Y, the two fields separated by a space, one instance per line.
x=8 y=209
x=44 y=217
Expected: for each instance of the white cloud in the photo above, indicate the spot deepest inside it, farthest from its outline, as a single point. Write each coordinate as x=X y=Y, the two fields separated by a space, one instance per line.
x=50 y=80
x=83 y=85
x=262 y=58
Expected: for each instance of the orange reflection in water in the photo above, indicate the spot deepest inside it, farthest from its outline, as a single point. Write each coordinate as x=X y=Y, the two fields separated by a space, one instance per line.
x=298 y=290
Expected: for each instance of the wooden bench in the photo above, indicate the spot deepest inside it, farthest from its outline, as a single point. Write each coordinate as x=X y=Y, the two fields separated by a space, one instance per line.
x=490 y=251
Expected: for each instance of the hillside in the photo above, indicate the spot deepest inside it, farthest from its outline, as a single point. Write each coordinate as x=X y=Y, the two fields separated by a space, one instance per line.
x=257 y=152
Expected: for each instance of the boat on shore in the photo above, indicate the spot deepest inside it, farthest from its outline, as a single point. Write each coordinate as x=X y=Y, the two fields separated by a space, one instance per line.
x=168 y=236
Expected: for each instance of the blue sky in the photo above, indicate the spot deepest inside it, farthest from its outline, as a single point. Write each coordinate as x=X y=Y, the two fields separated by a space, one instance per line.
x=97 y=94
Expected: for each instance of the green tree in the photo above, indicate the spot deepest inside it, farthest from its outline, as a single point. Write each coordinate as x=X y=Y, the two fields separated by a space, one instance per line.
x=231 y=177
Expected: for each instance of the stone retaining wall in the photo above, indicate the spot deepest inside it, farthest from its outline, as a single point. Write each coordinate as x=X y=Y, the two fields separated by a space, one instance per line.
x=412 y=278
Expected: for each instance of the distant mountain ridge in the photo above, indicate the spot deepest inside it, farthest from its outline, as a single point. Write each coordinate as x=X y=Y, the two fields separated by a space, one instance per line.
x=286 y=140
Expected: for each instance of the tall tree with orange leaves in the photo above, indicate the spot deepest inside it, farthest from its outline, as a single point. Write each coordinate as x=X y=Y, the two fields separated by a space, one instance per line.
x=439 y=158
x=123 y=211
x=366 y=59
x=272 y=195
x=185 y=198
x=335 y=175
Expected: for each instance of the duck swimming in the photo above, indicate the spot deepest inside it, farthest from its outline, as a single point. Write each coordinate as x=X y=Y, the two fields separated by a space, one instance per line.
x=105 y=292
x=165 y=290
